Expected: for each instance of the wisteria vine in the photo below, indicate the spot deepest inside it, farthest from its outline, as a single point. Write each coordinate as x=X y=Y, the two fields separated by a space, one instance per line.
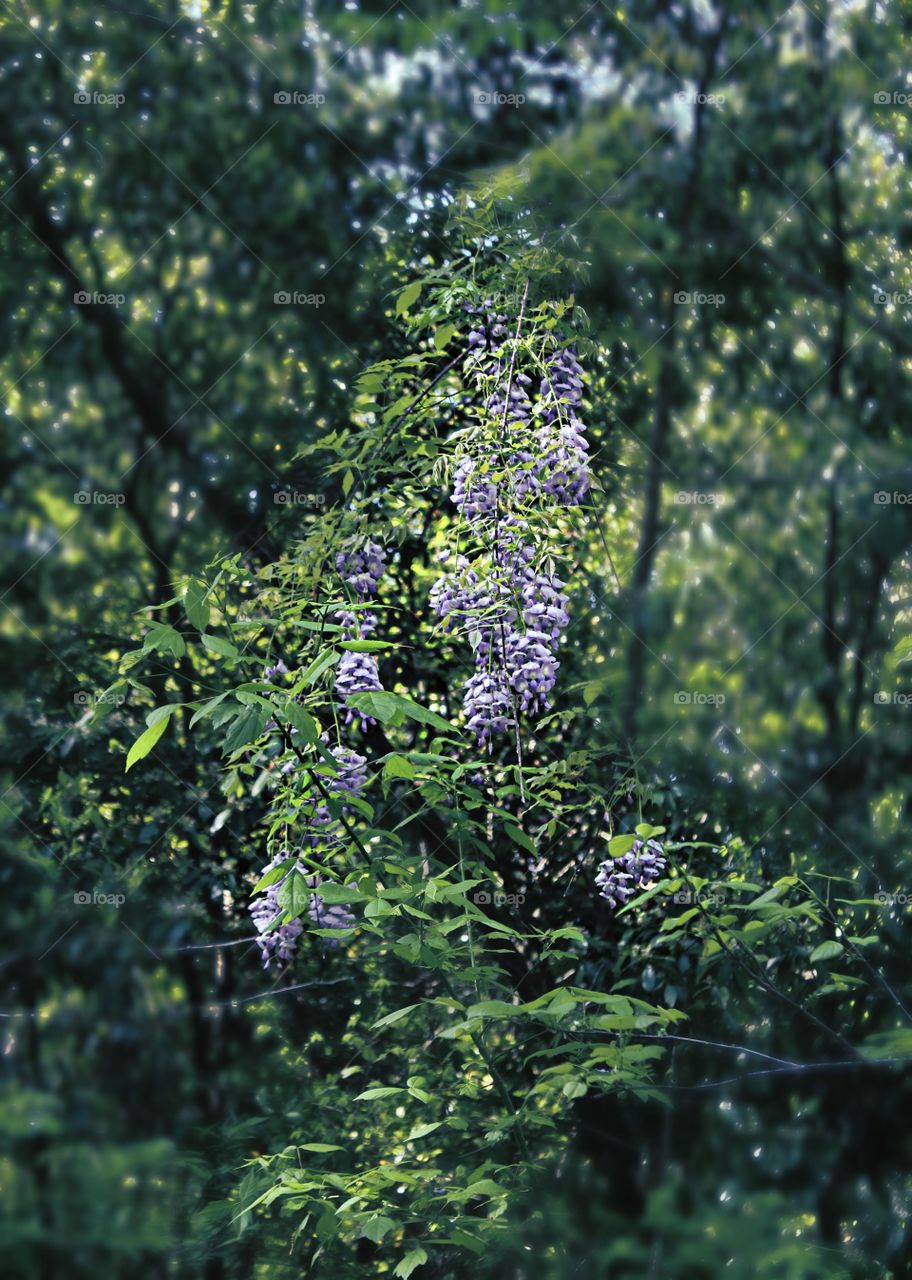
x=526 y=459
x=508 y=601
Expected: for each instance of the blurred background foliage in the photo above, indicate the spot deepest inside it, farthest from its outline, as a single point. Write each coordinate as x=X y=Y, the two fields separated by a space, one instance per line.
x=736 y=179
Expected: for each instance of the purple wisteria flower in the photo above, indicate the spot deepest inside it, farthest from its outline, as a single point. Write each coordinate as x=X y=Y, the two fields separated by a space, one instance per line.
x=277 y=941
x=326 y=915
x=488 y=705
x=362 y=567
x=507 y=602
x=357 y=673
x=618 y=879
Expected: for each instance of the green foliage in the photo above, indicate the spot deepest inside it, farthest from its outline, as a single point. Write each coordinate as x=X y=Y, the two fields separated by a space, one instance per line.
x=709 y=1081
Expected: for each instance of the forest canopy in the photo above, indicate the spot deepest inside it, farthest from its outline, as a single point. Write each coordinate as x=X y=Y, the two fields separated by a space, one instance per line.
x=456 y=619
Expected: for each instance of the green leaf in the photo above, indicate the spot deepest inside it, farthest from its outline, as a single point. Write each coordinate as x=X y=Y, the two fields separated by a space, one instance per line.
x=390 y=708
x=493 y=1009
x=299 y=719
x=407 y=296
x=224 y=648
x=164 y=639
x=333 y=893
x=388 y=1019
x=294 y=895
x=323 y=660
x=272 y=875
x=398 y=767
x=376 y=1228
x=147 y=740
x=207 y=709
x=196 y=604
x=443 y=335
x=422 y=1130
x=246 y=728
x=826 y=951
x=519 y=837
x=319 y=1146
x=414 y=1258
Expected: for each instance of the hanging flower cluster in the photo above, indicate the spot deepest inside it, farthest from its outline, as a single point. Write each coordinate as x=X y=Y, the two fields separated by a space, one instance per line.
x=507 y=601
x=277 y=940
x=618 y=879
x=362 y=568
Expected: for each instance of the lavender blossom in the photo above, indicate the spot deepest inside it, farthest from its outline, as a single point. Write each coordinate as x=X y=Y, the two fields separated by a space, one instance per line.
x=326 y=915
x=488 y=705
x=362 y=567
x=357 y=673
x=277 y=942
x=618 y=879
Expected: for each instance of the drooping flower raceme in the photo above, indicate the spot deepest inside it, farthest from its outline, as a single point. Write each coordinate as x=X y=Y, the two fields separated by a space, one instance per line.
x=278 y=940
x=362 y=568
x=529 y=456
x=618 y=879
